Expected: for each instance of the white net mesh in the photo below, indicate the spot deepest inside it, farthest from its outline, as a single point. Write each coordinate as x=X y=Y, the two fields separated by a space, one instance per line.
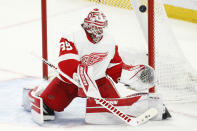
x=176 y=78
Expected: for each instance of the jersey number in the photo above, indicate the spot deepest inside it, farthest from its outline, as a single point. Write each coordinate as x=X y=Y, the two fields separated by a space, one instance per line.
x=66 y=46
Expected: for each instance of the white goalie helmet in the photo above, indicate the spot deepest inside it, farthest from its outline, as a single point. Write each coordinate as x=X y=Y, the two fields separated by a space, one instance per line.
x=94 y=24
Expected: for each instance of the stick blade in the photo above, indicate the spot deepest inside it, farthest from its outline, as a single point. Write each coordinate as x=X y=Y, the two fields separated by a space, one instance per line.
x=143 y=118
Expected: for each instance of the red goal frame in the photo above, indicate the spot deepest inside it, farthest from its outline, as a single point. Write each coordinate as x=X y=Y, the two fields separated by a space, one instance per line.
x=151 y=42
x=44 y=37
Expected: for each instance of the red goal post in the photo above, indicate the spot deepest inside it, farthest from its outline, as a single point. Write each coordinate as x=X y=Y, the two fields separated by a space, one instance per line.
x=44 y=37
x=151 y=44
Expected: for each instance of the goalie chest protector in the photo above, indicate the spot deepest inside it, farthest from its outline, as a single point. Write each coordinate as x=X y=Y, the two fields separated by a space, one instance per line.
x=96 y=56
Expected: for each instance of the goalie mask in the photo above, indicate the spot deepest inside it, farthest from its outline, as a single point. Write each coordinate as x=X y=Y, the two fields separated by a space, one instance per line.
x=94 y=24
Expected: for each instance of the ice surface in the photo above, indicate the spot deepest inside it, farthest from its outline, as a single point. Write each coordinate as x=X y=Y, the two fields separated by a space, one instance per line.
x=20 y=33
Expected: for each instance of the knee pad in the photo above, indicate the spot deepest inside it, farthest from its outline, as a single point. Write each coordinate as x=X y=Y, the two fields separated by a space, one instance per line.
x=59 y=94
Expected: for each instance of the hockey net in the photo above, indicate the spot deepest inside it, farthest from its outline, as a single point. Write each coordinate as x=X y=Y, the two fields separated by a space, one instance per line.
x=176 y=78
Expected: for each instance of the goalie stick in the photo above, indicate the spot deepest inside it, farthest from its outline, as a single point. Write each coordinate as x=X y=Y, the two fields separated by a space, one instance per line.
x=134 y=121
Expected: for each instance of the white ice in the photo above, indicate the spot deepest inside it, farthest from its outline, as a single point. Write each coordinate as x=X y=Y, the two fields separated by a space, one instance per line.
x=20 y=34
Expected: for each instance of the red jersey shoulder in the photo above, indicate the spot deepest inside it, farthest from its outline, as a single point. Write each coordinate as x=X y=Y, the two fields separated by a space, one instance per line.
x=67 y=47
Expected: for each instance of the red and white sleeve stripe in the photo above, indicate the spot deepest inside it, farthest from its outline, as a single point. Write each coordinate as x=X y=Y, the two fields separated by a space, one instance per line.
x=115 y=67
x=68 y=59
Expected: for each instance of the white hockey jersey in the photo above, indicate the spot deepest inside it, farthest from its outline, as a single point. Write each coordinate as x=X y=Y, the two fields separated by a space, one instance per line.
x=101 y=58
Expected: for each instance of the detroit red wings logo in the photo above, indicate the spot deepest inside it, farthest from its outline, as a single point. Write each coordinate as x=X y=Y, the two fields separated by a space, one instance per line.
x=93 y=58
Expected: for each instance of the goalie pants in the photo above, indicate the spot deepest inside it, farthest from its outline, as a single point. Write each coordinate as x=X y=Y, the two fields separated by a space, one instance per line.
x=58 y=94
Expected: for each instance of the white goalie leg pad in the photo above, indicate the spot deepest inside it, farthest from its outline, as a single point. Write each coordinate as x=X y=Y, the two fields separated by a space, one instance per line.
x=133 y=106
x=36 y=106
x=26 y=101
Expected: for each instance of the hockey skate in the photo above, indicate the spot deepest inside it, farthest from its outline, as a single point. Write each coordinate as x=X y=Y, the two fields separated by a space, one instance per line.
x=48 y=113
x=166 y=114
